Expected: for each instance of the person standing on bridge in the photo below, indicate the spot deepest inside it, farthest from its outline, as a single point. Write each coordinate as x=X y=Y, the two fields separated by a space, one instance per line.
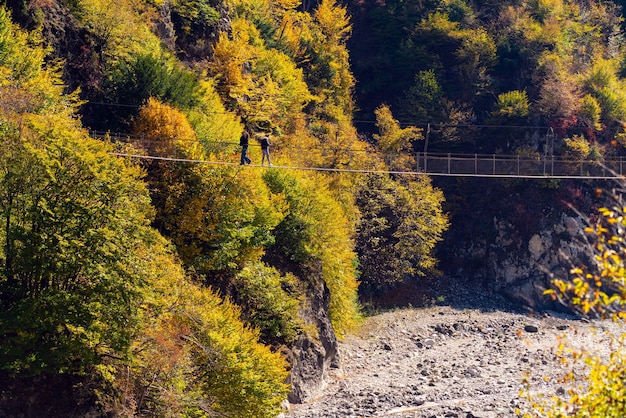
x=265 y=149
x=243 y=141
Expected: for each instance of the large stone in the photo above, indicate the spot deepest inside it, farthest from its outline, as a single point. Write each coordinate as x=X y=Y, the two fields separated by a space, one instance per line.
x=312 y=357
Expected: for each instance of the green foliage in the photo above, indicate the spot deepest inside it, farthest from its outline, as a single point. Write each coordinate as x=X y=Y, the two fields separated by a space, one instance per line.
x=150 y=75
x=270 y=302
x=195 y=12
x=217 y=129
x=263 y=14
x=219 y=218
x=73 y=218
x=272 y=92
x=513 y=104
x=476 y=55
x=322 y=248
x=120 y=26
x=195 y=357
x=242 y=378
x=22 y=67
x=458 y=10
x=577 y=147
x=293 y=91
x=552 y=50
x=424 y=98
x=604 y=85
x=400 y=224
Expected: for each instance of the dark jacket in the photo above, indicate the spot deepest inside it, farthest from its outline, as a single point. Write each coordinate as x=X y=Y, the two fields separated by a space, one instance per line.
x=244 y=138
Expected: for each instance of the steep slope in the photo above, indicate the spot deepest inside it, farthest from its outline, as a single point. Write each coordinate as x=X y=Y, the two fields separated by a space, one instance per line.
x=500 y=77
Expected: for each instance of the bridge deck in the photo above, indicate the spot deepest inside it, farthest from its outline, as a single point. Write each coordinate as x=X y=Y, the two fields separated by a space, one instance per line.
x=518 y=166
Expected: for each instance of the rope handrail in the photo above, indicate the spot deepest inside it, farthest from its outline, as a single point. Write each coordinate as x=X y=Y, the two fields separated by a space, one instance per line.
x=453 y=164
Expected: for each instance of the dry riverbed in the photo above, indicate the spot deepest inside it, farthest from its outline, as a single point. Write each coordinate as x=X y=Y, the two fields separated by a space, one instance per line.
x=450 y=362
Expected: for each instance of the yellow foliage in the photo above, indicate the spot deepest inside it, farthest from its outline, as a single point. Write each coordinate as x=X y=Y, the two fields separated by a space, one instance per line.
x=294 y=27
x=334 y=21
x=121 y=24
x=439 y=22
x=325 y=248
x=577 y=147
x=266 y=85
x=231 y=59
x=590 y=112
x=217 y=129
x=395 y=143
x=25 y=85
x=195 y=353
x=166 y=130
x=599 y=290
x=220 y=218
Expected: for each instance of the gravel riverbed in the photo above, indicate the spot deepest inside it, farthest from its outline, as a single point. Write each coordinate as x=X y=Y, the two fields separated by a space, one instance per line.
x=448 y=361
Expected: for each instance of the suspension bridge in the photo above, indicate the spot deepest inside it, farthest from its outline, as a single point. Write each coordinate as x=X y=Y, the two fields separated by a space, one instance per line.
x=435 y=164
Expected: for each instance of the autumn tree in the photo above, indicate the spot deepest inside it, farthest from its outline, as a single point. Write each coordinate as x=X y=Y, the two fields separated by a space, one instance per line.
x=401 y=219
x=328 y=72
x=195 y=356
x=89 y=290
x=165 y=130
x=73 y=219
x=395 y=143
x=596 y=289
x=219 y=218
x=401 y=222
x=132 y=81
x=311 y=247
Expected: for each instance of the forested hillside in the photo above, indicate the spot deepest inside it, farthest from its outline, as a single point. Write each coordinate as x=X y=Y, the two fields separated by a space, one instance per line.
x=534 y=79
x=508 y=65
x=178 y=282
x=145 y=272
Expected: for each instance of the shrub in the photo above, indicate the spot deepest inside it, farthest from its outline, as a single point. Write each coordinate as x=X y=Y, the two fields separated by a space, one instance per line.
x=166 y=131
x=399 y=227
x=590 y=112
x=270 y=302
x=577 y=147
x=513 y=104
x=195 y=357
x=317 y=234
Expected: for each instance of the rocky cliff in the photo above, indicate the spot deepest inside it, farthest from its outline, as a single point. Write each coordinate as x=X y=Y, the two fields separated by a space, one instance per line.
x=512 y=238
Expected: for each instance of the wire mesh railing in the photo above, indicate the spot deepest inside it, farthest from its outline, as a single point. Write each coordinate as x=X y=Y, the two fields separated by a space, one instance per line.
x=482 y=165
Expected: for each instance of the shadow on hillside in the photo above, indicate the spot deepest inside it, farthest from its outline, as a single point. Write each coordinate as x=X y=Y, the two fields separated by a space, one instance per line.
x=444 y=291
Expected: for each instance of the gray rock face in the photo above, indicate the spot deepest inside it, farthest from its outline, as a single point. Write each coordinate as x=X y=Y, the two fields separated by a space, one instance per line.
x=521 y=266
x=313 y=357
